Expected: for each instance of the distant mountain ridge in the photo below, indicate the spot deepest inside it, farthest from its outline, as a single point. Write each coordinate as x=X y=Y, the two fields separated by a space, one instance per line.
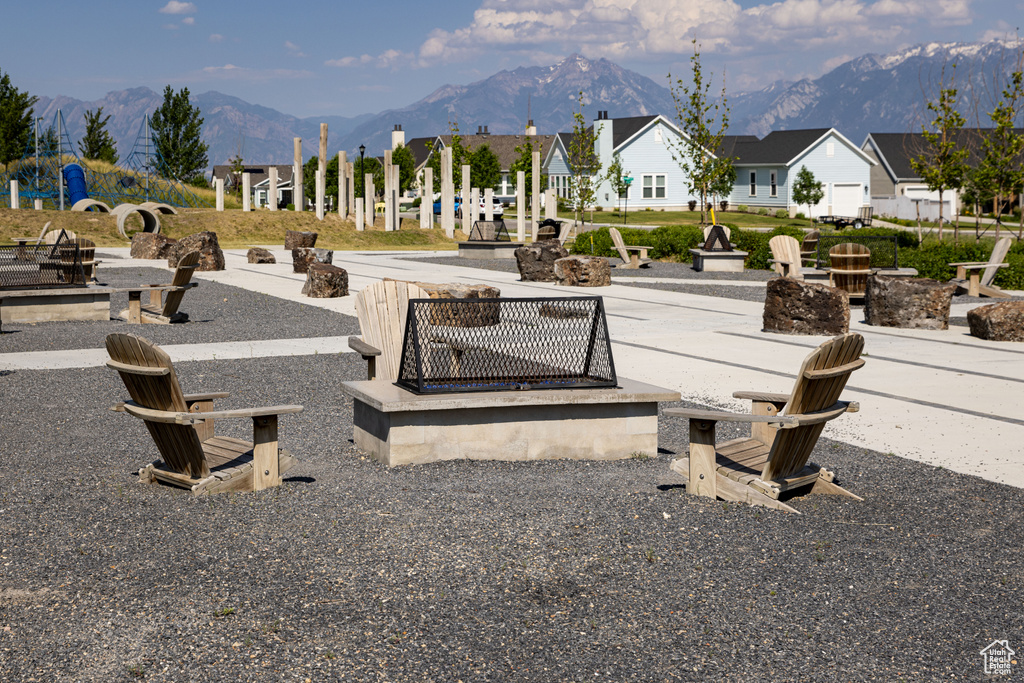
x=871 y=93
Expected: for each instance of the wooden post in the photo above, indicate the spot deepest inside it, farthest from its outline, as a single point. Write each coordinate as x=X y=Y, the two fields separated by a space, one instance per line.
x=319 y=194
x=343 y=181
x=489 y=204
x=265 y=461
x=246 y=192
x=389 y=210
x=474 y=210
x=702 y=459
x=321 y=183
x=359 y=216
x=447 y=193
x=297 y=197
x=14 y=195
x=520 y=206
x=427 y=200
x=466 y=186
x=550 y=203
x=370 y=192
x=396 y=194
x=219 y=184
x=272 y=189
x=535 y=198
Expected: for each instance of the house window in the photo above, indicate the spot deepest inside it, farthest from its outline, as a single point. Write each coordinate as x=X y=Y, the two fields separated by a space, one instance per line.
x=654 y=187
x=774 y=184
x=830 y=150
x=753 y=183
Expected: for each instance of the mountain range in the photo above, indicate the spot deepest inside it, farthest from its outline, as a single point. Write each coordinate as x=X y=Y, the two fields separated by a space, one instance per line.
x=871 y=93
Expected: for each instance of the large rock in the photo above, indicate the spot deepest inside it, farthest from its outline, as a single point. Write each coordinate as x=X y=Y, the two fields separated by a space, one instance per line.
x=917 y=303
x=583 y=271
x=260 y=255
x=293 y=239
x=302 y=258
x=325 y=281
x=797 y=307
x=210 y=255
x=536 y=261
x=152 y=245
x=998 y=322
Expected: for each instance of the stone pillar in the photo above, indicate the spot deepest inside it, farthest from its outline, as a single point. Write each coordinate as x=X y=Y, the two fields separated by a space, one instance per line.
x=320 y=194
x=219 y=184
x=489 y=204
x=447 y=193
x=471 y=215
x=369 y=195
x=535 y=198
x=520 y=206
x=389 y=209
x=343 y=185
x=427 y=200
x=297 y=197
x=359 y=215
x=246 y=192
x=272 y=189
x=550 y=203
x=15 y=204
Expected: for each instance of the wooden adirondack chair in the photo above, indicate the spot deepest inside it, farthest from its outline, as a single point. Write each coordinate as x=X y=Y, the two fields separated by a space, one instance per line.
x=809 y=247
x=638 y=260
x=850 y=267
x=773 y=461
x=786 y=256
x=182 y=427
x=382 y=309
x=981 y=284
x=167 y=311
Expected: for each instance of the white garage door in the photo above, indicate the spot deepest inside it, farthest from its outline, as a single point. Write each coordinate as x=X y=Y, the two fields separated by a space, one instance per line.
x=846 y=198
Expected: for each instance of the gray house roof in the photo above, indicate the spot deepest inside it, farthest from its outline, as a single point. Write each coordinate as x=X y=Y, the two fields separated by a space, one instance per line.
x=503 y=146
x=895 y=150
x=257 y=172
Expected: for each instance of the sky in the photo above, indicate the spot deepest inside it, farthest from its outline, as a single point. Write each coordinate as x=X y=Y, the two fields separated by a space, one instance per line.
x=317 y=57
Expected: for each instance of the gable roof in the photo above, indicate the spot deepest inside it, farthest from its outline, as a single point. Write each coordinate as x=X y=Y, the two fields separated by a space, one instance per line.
x=257 y=172
x=783 y=147
x=503 y=146
x=895 y=150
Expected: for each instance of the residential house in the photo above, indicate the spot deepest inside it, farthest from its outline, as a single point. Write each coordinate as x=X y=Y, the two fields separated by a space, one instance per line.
x=767 y=168
x=259 y=182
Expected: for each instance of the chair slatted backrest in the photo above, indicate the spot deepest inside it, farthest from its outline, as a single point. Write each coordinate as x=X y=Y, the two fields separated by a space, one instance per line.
x=382 y=309
x=810 y=242
x=786 y=249
x=620 y=246
x=52 y=236
x=148 y=374
x=182 y=276
x=823 y=376
x=998 y=256
x=853 y=257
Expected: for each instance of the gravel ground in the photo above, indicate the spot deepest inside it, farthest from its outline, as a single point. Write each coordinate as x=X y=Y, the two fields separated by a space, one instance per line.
x=471 y=571
x=217 y=313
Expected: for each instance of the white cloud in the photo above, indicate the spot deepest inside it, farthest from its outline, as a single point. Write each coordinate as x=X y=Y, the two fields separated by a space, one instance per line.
x=294 y=49
x=385 y=60
x=216 y=38
x=175 y=7
x=241 y=73
x=188 y=21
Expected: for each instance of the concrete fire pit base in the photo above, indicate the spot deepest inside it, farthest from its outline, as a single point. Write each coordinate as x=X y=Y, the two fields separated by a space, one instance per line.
x=398 y=427
x=718 y=261
x=51 y=305
x=480 y=249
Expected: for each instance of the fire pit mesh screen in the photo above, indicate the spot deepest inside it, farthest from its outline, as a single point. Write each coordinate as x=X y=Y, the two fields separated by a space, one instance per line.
x=457 y=345
x=41 y=266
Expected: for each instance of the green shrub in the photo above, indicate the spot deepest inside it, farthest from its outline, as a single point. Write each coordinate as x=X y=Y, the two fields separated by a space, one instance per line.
x=742 y=208
x=416 y=202
x=290 y=207
x=781 y=213
x=756 y=244
x=800 y=215
x=762 y=211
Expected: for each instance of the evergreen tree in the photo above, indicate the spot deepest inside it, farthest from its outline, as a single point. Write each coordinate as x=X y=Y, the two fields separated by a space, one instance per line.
x=371 y=165
x=402 y=157
x=15 y=120
x=807 y=190
x=486 y=168
x=97 y=142
x=177 y=133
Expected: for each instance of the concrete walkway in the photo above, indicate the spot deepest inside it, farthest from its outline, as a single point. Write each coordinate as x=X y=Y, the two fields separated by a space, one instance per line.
x=941 y=397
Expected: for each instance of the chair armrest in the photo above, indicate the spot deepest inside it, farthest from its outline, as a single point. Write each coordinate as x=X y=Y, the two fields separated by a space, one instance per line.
x=172 y=417
x=722 y=416
x=817 y=417
x=192 y=398
x=761 y=396
x=971 y=264
x=361 y=347
x=774 y=260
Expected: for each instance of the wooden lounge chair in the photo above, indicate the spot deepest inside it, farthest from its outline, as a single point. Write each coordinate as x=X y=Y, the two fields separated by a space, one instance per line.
x=382 y=309
x=786 y=256
x=167 y=311
x=182 y=427
x=980 y=284
x=773 y=461
x=850 y=266
x=638 y=260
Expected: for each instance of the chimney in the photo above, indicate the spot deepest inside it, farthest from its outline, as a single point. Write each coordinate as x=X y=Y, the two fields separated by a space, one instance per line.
x=485 y=131
x=397 y=137
x=530 y=128
x=479 y=130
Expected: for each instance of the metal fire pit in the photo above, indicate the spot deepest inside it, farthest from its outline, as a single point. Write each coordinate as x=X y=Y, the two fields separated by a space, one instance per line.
x=460 y=345
x=489 y=231
x=717 y=240
x=41 y=266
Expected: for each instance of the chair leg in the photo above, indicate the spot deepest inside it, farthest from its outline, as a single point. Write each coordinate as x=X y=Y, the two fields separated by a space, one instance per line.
x=822 y=486
x=703 y=478
x=135 y=307
x=974 y=288
x=265 y=464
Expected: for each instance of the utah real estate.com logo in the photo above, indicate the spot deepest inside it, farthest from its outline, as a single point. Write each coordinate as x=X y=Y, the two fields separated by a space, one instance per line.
x=998 y=658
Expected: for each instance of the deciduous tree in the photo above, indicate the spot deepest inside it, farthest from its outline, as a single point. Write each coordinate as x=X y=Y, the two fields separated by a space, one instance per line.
x=807 y=190
x=486 y=168
x=583 y=162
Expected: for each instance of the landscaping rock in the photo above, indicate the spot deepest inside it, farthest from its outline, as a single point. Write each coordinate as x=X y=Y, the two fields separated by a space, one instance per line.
x=998 y=322
x=325 y=281
x=260 y=255
x=210 y=255
x=583 y=271
x=797 y=307
x=303 y=257
x=293 y=239
x=152 y=245
x=536 y=261
x=918 y=303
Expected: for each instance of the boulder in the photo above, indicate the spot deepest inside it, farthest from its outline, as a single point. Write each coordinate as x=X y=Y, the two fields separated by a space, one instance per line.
x=998 y=322
x=918 y=303
x=260 y=255
x=152 y=245
x=325 y=281
x=583 y=271
x=796 y=307
x=304 y=256
x=210 y=255
x=293 y=239
x=536 y=261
